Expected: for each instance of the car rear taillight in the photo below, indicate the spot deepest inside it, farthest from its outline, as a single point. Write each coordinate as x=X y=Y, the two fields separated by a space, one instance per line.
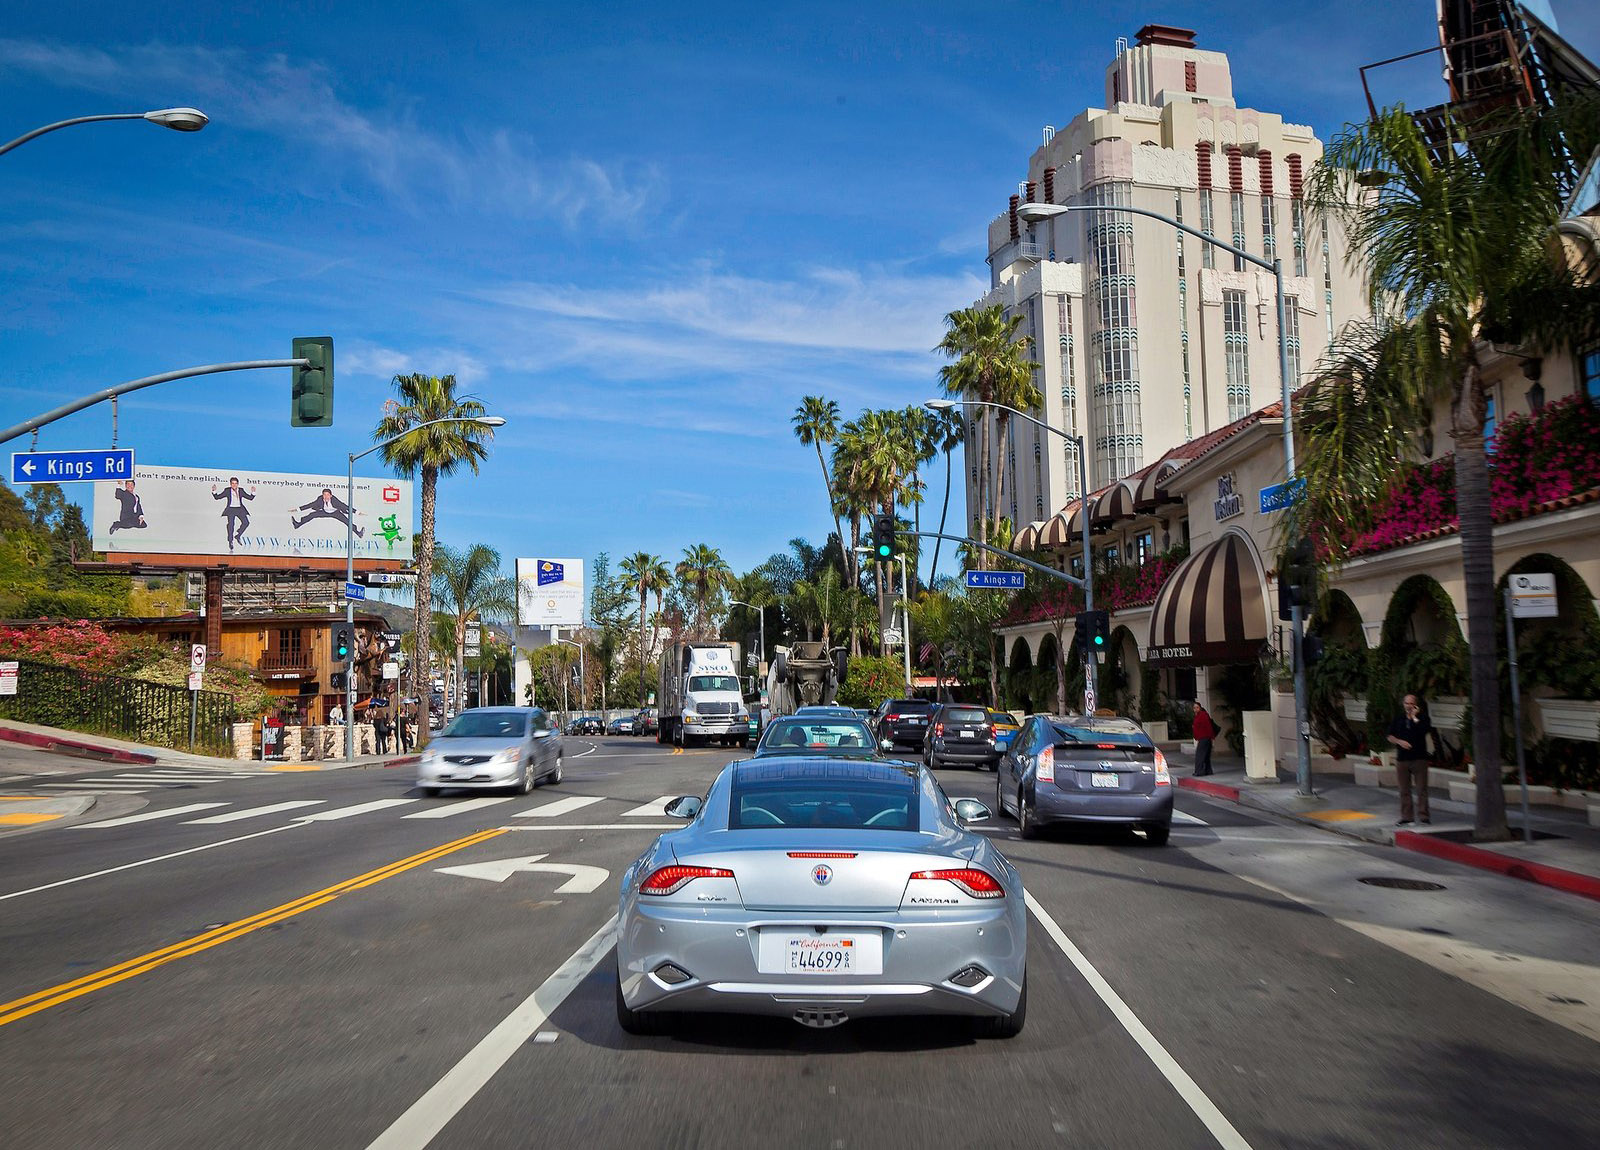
x=1044 y=770
x=991 y=729
x=973 y=882
x=669 y=879
x=1163 y=777
x=938 y=728
x=890 y=718
x=822 y=854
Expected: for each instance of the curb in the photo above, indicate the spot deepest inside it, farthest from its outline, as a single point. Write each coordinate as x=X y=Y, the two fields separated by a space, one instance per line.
x=1206 y=787
x=1572 y=882
x=74 y=746
x=403 y=761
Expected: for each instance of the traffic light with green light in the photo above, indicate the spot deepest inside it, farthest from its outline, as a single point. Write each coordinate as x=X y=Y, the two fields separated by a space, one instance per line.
x=311 y=402
x=883 y=536
x=343 y=641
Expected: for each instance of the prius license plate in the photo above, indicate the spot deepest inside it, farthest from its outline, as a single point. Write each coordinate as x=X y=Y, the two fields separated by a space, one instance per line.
x=1107 y=780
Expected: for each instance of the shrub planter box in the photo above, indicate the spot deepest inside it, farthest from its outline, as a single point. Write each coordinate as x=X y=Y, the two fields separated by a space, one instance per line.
x=1375 y=775
x=1576 y=719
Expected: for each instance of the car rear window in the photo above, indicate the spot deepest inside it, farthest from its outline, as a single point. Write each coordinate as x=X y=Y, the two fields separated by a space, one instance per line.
x=964 y=715
x=909 y=706
x=1104 y=739
x=849 y=804
x=817 y=732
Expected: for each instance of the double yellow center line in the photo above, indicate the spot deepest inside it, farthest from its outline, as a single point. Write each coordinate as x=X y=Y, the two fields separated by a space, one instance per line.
x=111 y=975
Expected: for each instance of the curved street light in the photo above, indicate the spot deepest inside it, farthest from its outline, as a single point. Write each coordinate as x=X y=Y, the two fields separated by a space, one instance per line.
x=178 y=119
x=350 y=557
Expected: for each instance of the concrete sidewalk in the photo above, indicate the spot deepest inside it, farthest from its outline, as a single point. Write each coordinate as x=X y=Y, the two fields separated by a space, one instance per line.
x=103 y=748
x=1564 y=853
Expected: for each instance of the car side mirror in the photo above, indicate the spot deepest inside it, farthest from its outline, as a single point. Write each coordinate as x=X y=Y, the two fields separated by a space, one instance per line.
x=542 y=733
x=686 y=807
x=886 y=744
x=971 y=811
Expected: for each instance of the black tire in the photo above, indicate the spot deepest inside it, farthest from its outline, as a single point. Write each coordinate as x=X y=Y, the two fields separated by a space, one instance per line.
x=644 y=1023
x=661 y=735
x=780 y=666
x=1006 y=1025
x=999 y=800
x=429 y=792
x=1027 y=827
x=1156 y=834
x=841 y=667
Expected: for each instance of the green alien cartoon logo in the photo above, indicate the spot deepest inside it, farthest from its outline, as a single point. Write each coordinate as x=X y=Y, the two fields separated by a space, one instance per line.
x=390 y=526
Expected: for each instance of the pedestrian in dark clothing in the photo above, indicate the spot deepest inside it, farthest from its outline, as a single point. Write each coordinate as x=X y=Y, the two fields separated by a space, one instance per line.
x=380 y=729
x=1409 y=733
x=402 y=728
x=1205 y=731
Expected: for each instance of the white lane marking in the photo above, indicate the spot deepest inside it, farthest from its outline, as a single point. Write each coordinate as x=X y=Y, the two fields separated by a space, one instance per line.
x=590 y=751
x=149 y=816
x=445 y=810
x=1204 y=1109
x=596 y=827
x=256 y=812
x=1187 y=818
x=559 y=807
x=145 y=862
x=358 y=809
x=656 y=808
x=431 y=1113
x=156 y=780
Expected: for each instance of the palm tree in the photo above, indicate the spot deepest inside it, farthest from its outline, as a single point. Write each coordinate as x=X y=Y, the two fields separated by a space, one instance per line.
x=816 y=421
x=1453 y=240
x=430 y=452
x=705 y=570
x=990 y=364
x=469 y=585
x=950 y=430
x=646 y=573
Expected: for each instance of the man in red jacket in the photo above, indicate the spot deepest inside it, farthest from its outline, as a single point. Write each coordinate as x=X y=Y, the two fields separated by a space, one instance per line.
x=1205 y=730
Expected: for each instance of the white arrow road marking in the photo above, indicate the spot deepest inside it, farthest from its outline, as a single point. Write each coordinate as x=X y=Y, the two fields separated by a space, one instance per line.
x=582 y=879
x=256 y=812
x=655 y=809
x=431 y=1113
x=559 y=807
x=150 y=815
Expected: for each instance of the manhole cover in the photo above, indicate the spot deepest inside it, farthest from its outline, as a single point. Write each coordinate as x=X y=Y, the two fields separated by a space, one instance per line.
x=1403 y=883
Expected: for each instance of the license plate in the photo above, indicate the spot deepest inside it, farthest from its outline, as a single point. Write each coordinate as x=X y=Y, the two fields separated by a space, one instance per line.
x=967 y=733
x=784 y=952
x=1103 y=780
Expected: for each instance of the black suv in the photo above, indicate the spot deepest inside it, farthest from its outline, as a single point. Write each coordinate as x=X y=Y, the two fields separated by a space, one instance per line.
x=902 y=722
x=960 y=733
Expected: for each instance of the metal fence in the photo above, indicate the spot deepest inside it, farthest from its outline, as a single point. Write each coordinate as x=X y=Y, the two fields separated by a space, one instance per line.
x=133 y=709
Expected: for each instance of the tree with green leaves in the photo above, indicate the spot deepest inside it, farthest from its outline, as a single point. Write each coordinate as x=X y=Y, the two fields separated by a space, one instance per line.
x=470 y=586
x=428 y=453
x=1455 y=243
x=646 y=573
x=704 y=571
x=816 y=422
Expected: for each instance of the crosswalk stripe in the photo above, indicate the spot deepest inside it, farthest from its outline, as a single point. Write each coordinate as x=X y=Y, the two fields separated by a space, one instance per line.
x=456 y=808
x=257 y=812
x=150 y=816
x=559 y=807
x=653 y=809
x=131 y=778
x=1185 y=817
x=358 y=809
x=102 y=788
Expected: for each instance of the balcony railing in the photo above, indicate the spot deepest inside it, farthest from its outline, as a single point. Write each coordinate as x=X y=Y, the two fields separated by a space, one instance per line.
x=287 y=661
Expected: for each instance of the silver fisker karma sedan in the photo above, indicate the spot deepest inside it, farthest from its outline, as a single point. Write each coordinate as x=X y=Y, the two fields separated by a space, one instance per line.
x=823 y=889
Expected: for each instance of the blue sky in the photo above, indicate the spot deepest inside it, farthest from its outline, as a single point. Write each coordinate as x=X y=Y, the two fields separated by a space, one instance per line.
x=640 y=232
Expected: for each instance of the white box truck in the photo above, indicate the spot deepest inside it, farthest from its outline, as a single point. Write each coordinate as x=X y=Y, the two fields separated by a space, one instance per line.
x=700 y=697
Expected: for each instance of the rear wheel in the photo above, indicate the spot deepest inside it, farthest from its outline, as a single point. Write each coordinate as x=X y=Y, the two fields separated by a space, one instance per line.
x=641 y=1022
x=1006 y=1025
x=1027 y=826
x=1156 y=834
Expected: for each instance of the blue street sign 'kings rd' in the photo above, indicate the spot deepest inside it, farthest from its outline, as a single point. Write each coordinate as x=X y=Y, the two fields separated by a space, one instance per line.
x=997 y=580
x=71 y=466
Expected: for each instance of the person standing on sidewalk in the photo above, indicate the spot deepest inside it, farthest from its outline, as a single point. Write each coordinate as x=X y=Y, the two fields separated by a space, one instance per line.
x=1409 y=733
x=402 y=729
x=1205 y=732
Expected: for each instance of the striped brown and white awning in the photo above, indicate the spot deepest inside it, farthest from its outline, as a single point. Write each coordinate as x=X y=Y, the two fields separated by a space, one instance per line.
x=1150 y=492
x=1057 y=530
x=1115 y=502
x=1028 y=538
x=1213 y=609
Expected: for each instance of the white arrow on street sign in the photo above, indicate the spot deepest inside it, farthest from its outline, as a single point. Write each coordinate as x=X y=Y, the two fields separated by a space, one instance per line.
x=197 y=657
x=28 y=467
x=581 y=879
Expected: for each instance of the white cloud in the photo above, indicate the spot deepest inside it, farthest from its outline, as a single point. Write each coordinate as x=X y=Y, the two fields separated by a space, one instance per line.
x=386 y=362
x=499 y=171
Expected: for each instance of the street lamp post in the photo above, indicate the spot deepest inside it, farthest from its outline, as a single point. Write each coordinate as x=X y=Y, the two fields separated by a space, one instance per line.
x=350 y=565
x=178 y=119
x=1034 y=213
x=1083 y=487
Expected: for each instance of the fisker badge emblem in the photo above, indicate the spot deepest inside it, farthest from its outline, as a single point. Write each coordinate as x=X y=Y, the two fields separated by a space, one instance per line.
x=822 y=874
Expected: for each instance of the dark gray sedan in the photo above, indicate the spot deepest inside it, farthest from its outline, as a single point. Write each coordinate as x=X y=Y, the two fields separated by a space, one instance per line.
x=1078 y=769
x=491 y=747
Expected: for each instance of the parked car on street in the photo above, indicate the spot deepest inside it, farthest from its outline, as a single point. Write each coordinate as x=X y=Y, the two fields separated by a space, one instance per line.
x=489 y=747
x=902 y=722
x=647 y=721
x=586 y=725
x=622 y=725
x=822 y=888
x=960 y=733
x=1085 y=769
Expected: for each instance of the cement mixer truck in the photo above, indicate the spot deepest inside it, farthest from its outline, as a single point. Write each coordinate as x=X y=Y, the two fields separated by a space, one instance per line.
x=804 y=675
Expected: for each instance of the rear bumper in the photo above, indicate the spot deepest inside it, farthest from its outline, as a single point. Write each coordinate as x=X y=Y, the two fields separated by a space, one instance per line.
x=906 y=734
x=720 y=956
x=1054 y=806
x=946 y=751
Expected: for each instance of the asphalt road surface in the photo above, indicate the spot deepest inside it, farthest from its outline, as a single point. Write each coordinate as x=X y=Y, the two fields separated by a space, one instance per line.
x=330 y=960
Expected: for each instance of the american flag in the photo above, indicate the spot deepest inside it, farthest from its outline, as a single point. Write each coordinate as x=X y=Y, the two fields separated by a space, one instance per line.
x=927 y=652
